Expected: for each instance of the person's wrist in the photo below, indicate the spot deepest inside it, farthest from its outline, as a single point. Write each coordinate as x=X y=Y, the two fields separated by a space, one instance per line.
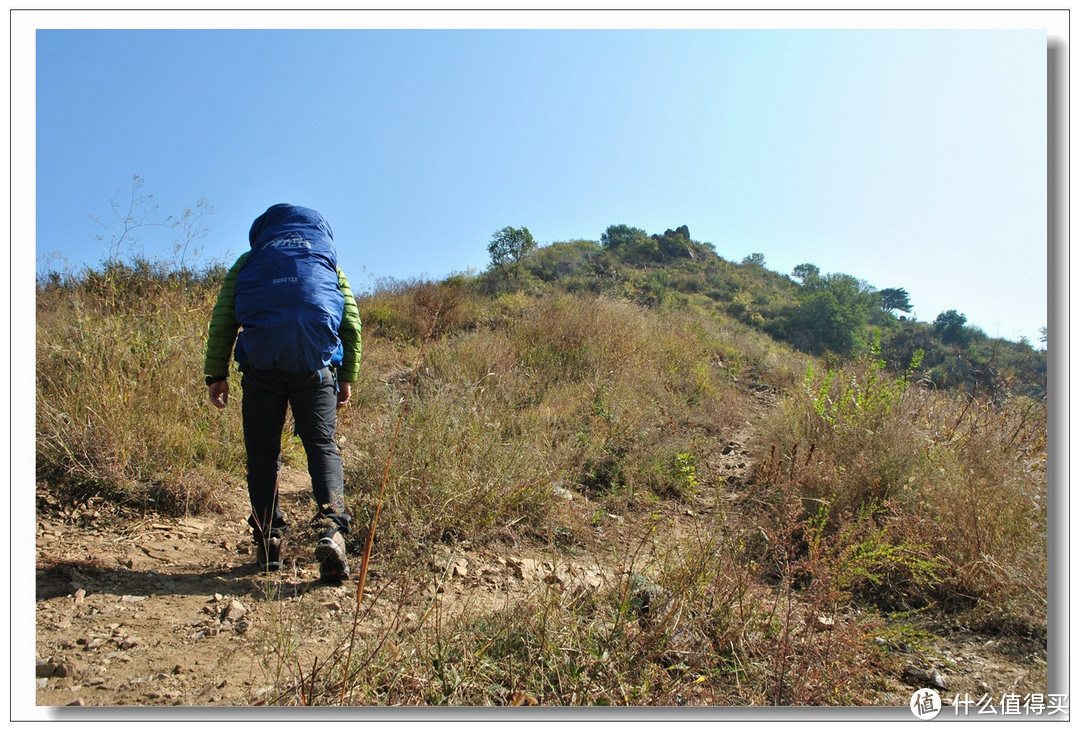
x=211 y=380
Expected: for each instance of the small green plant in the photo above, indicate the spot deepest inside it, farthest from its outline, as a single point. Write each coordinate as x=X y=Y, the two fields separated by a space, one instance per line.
x=862 y=403
x=875 y=566
x=686 y=473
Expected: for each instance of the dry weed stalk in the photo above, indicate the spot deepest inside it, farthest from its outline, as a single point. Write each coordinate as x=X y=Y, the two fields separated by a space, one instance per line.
x=368 y=543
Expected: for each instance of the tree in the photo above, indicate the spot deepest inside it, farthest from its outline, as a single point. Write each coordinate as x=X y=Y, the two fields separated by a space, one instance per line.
x=949 y=326
x=806 y=272
x=757 y=259
x=508 y=245
x=833 y=314
x=674 y=244
x=631 y=245
x=620 y=235
x=895 y=298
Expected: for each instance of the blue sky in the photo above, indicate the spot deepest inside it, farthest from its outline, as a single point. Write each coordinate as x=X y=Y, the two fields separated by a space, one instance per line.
x=908 y=158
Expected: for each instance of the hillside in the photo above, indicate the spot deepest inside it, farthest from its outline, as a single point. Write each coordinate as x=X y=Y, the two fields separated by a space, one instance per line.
x=823 y=314
x=610 y=487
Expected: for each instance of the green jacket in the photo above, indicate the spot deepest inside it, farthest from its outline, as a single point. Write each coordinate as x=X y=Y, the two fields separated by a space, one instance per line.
x=224 y=328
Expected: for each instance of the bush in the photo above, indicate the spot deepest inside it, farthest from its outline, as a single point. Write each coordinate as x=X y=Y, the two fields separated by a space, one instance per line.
x=407 y=311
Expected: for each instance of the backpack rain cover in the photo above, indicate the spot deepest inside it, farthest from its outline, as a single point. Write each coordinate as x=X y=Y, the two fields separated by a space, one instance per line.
x=288 y=302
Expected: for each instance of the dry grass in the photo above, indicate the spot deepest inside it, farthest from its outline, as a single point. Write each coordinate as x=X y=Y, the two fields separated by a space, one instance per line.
x=954 y=488
x=592 y=394
x=869 y=491
x=120 y=399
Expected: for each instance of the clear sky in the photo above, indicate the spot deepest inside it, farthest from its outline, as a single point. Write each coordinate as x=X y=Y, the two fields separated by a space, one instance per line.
x=907 y=158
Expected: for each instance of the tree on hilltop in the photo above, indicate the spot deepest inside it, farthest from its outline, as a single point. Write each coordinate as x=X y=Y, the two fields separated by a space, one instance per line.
x=949 y=326
x=806 y=272
x=895 y=298
x=620 y=236
x=508 y=245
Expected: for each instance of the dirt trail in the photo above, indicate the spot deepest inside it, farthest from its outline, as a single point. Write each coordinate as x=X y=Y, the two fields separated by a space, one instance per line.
x=144 y=613
x=159 y=612
x=174 y=611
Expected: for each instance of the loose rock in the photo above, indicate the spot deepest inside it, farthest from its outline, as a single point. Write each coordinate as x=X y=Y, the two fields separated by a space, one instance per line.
x=930 y=677
x=234 y=611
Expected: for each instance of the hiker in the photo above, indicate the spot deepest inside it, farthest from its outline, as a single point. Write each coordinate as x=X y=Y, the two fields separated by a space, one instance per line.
x=291 y=314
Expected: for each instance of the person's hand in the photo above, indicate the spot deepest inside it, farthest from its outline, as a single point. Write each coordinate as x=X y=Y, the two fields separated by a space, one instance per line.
x=219 y=393
x=344 y=391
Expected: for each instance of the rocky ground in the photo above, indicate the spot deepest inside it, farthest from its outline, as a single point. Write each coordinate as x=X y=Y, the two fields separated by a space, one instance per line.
x=172 y=612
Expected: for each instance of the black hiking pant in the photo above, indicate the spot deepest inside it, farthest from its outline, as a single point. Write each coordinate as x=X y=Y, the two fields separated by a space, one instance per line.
x=313 y=398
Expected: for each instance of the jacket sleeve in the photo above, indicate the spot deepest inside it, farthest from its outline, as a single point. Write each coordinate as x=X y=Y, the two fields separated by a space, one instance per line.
x=223 y=325
x=349 y=332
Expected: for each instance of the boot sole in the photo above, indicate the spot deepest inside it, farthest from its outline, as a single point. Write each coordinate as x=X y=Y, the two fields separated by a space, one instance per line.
x=270 y=565
x=332 y=567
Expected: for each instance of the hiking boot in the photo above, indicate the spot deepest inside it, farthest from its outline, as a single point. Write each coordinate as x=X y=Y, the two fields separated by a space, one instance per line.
x=330 y=553
x=268 y=552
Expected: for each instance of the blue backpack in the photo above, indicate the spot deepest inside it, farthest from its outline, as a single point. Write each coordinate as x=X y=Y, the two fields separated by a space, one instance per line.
x=288 y=302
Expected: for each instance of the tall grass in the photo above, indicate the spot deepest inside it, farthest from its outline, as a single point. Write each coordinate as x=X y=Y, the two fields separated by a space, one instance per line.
x=121 y=406
x=870 y=494
x=950 y=491
x=588 y=394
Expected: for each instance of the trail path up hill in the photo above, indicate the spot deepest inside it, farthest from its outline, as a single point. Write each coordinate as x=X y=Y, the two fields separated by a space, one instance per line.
x=157 y=611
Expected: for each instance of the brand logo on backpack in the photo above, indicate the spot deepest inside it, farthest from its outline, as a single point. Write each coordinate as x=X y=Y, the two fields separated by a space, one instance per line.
x=288 y=241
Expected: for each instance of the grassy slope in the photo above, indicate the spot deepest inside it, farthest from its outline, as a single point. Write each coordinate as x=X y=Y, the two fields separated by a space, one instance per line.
x=866 y=496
